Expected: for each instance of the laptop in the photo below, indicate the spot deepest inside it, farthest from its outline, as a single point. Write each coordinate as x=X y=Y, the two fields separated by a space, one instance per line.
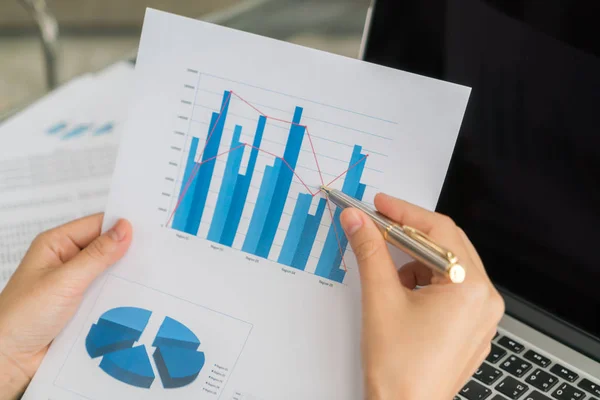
x=524 y=180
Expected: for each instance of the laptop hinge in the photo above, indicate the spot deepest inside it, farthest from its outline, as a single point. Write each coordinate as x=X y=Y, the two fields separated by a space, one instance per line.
x=554 y=327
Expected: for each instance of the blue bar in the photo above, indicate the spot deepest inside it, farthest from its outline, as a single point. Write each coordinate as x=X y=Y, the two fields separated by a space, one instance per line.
x=343 y=244
x=79 y=130
x=331 y=256
x=185 y=200
x=337 y=275
x=232 y=168
x=295 y=230
x=57 y=128
x=335 y=241
x=207 y=166
x=241 y=189
x=284 y=180
x=261 y=209
x=311 y=226
x=361 y=191
x=352 y=179
x=106 y=128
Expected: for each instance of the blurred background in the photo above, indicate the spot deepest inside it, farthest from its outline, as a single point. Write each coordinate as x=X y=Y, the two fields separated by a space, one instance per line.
x=82 y=36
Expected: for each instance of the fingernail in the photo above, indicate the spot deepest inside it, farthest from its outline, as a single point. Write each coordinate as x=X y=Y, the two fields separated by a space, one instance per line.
x=118 y=232
x=351 y=221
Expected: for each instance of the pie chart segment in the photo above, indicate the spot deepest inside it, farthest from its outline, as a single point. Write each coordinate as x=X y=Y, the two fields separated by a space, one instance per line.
x=104 y=339
x=178 y=366
x=131 y=366
x=174 y=333
x=133 y=319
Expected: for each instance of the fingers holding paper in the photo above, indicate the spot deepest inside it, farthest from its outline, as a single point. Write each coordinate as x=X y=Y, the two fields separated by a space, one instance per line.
x=46 y=290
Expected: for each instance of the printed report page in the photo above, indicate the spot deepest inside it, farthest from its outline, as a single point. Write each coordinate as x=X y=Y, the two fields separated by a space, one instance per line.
x=239 y=282
x=57 y=159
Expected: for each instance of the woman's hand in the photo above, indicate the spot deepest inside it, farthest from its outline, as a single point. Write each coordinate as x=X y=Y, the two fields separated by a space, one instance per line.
x=426 y=343
x=46 y=289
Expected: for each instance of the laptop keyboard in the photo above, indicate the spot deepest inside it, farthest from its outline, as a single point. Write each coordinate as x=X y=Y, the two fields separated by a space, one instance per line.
x=512 y=371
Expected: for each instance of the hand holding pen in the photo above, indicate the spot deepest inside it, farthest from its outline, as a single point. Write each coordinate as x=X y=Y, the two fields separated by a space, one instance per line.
x=442 y=331
x=412 y=241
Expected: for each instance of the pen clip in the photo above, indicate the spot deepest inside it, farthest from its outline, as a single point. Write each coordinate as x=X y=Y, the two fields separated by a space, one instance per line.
x=426 y=241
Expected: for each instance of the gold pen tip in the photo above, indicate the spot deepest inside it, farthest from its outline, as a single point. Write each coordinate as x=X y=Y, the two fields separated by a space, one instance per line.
x=457 y=273
x=325 y=189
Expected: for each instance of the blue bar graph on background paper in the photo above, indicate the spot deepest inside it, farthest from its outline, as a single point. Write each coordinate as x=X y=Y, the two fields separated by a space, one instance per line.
x=261 y=209
x=205 y=170
x=78 y=130
x=283 y=182
x=56 y=128
x=242 y=185
x=225 y=197
x=295 y=230
x=187 y=187
x=106 y=128
x=307 y=239
x=336 y=242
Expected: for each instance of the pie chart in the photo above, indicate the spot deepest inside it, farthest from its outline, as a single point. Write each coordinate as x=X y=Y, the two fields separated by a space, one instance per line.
x=175 y=354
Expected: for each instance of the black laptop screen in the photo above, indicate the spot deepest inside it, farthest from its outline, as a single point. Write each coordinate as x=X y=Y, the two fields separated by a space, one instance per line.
x=524 y=181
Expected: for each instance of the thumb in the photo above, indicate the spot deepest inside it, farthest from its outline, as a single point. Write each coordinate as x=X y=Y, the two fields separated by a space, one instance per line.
x=377 y=270
x=100 y=254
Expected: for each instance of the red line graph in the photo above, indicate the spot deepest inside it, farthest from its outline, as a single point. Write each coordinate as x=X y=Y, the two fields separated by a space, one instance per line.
x=243 y=145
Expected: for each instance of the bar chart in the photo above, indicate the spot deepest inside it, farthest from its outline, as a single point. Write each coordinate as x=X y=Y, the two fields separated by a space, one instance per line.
x=65 y=131
x=239 y=190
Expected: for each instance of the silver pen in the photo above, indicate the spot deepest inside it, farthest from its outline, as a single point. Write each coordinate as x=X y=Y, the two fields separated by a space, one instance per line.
x=410 y=240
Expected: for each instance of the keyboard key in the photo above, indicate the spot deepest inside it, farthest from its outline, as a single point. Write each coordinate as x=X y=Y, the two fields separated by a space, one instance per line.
x=542 y=380
x=498 y=397
x=568 y=392
x=475 y=391
x=510 y=344
x=535 y=395
x=564 y=373
x=487 y=374
x=537 y=358
x=512 y=387
x=593 y=388
x=515 y=366
x=496 y=354
x=456 y=398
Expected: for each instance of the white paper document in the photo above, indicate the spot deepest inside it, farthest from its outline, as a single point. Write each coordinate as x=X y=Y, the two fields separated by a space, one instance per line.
x=57 y=158
x=237 y=284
